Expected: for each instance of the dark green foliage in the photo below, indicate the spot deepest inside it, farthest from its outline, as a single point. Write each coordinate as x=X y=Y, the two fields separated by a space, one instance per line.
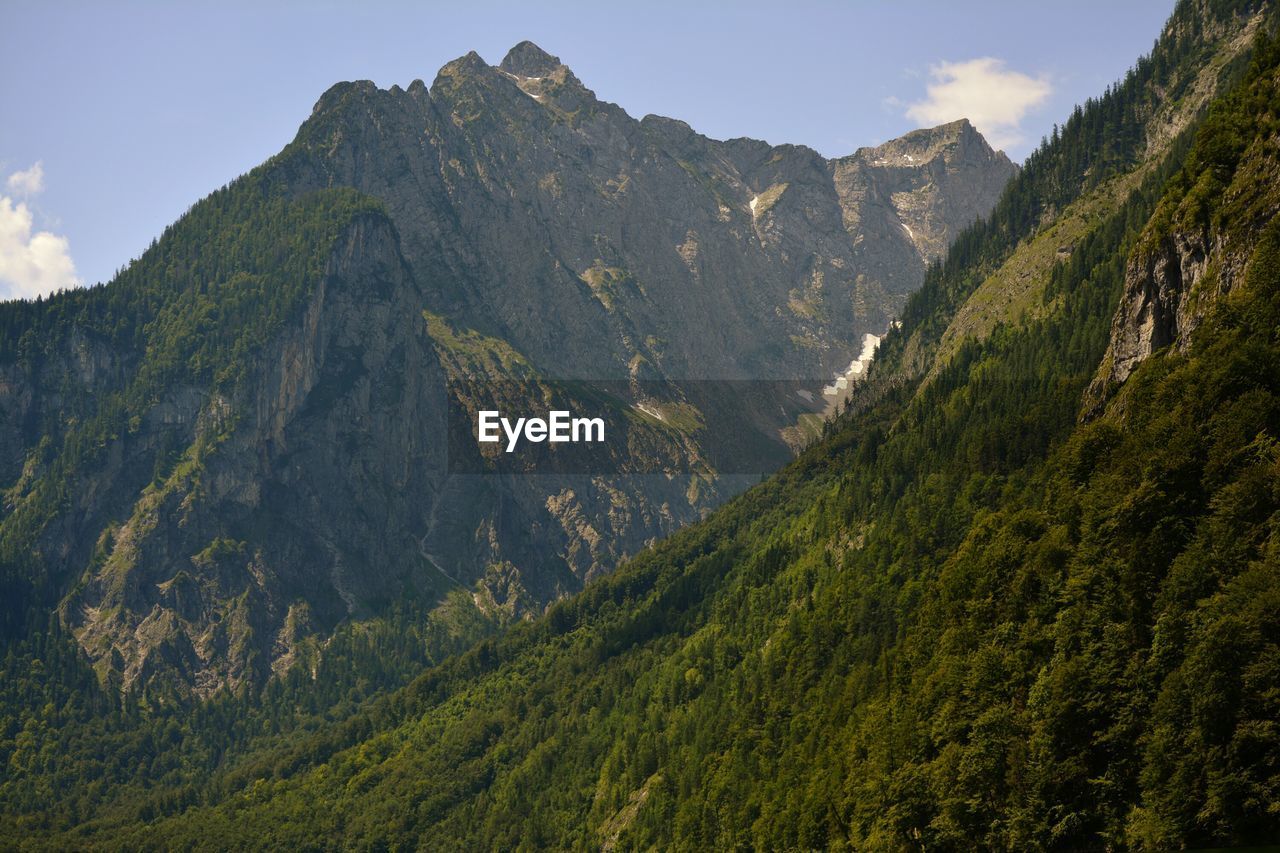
x=73 y=750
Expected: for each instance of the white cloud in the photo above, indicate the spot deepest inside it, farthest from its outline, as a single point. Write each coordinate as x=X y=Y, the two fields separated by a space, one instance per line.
x=27 y=182
x=984 y=91
x=32 y=263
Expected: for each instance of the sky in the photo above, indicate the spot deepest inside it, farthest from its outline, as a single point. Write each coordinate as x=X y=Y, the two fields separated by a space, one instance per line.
x=115 y=118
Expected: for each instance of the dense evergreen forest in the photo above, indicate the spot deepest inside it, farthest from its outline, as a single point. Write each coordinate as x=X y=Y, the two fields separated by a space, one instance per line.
x=985 y=609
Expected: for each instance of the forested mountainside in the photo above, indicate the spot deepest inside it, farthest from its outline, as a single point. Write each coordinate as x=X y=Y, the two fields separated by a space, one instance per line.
x=238 y=445
x=1018 y=597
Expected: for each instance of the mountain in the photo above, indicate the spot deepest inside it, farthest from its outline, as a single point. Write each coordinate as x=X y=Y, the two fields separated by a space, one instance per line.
x=1014 y=598
x=240 y=444
x=514 y=185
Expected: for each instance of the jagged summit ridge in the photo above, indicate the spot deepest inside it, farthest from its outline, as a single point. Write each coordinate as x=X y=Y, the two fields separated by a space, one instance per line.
x=538 y=73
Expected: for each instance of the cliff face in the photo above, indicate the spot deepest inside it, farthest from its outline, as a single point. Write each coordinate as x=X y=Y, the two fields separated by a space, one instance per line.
x=248 y=484
x=263 y=527
x=1157 y=308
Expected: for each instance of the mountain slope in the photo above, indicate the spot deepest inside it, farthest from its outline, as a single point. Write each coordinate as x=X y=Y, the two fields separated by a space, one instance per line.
x=241 y=443
x=966 y=616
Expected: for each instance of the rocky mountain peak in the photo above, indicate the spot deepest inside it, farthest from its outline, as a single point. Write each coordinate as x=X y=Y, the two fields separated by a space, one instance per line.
x=528 y=60
x=921 y=188
x=958 y=132
x=913 y=149
x=469 y=66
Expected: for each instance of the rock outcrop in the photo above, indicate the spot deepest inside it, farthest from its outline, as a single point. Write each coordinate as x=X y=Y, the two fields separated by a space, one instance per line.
x=1157 y=308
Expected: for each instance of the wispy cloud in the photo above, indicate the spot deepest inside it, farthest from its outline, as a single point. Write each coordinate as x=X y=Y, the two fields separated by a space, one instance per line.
x=992 y=96
x=32 y=263
x=27 y=182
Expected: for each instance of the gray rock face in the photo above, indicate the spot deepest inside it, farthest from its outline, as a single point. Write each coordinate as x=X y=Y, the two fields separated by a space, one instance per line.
x=1153 y=313
x=526 y=224
x=1168 y=290
x=904 y=201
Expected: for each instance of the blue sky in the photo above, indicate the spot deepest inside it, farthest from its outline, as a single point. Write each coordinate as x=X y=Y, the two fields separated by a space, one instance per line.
x=115 y=119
